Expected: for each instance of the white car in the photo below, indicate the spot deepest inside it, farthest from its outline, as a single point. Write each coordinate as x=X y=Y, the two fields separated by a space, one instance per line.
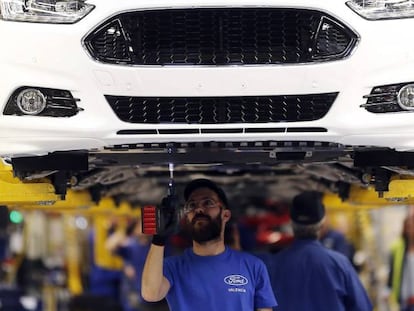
x=90 y=75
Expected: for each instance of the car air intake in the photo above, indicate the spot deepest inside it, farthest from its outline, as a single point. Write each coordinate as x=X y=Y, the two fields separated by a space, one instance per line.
x=215 y=110
x=227 y=36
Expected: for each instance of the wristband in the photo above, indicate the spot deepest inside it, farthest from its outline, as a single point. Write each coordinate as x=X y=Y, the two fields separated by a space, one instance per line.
x=159 y=240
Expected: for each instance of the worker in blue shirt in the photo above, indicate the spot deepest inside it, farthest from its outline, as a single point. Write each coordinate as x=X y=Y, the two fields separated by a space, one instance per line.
x=209 y=275
x=132 y=246
x=308 y=276
x=336 y=240
x=103 y=282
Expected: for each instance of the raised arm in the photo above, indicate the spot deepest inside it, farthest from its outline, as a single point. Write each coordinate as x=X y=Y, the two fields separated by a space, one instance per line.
x=154 y=285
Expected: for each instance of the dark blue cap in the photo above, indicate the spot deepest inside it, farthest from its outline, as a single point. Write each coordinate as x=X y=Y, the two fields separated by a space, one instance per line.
x=307 y=208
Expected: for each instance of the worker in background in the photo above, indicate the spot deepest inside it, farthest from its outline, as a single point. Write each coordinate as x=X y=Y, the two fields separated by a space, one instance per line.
x=335 y=240
x=401 y=277
x=133 y=246
x=103 y=282
x=209 y=275
x=308 y=276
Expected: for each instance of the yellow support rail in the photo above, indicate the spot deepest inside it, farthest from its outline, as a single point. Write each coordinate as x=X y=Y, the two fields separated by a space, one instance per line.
x=401 y=188
x=13 y=191
x=400 y=192
x=80 y=203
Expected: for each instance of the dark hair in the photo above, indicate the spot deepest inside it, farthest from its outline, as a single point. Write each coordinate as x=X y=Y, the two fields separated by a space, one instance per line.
x=311 y=231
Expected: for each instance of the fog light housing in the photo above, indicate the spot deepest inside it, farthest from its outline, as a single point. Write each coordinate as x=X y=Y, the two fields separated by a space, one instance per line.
x=31 y=101
x=391 y=98
x=41 y=102
x=405 y=97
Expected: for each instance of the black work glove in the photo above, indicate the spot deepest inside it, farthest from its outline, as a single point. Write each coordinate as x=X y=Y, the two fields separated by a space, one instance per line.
x=167 y=220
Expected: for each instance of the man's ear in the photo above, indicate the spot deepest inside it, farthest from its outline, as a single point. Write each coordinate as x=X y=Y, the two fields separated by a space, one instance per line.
x=226 y=215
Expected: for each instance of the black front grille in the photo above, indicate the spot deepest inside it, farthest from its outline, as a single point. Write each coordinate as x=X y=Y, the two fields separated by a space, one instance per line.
x=220 y=37
x=216 y=110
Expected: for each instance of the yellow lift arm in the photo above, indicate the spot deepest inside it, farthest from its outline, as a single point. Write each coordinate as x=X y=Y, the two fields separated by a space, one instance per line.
x=13 y=191
x=400 y=192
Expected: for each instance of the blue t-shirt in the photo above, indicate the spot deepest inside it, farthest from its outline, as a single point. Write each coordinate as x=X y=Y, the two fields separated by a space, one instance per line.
x=102 y=281
x=229 y=281
x=336 y=241
x=308 y=276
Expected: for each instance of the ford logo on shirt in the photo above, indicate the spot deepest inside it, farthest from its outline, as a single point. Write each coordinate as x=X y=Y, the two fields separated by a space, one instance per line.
x=236 y=280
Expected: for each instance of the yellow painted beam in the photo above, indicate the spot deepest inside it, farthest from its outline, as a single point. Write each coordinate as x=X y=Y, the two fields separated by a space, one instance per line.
x=75 y=200
x=13 y=191
x=366 y=196
x=125 y=209
x=401 y=188
x=400 y=192
x=105 y=205
x=334 y=202
x=107 y=209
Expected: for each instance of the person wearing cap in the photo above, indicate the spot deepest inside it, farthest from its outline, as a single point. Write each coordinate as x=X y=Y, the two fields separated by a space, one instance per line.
x=209 y=275
x=308 y=276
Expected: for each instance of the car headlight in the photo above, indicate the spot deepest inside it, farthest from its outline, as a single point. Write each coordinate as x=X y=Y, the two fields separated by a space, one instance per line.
x=44 y=11
x=382 y=9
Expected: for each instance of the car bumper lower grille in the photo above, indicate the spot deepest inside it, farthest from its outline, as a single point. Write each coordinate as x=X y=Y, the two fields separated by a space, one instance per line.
x=219 y=37
x=220 y=110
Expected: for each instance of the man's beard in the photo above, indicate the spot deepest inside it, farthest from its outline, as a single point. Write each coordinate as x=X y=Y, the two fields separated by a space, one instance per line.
x=209 y=231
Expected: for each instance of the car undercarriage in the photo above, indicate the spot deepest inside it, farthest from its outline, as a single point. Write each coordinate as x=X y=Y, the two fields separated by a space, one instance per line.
x=139 y=174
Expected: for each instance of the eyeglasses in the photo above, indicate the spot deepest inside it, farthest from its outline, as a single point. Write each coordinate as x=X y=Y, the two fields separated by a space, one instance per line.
x=205 y=204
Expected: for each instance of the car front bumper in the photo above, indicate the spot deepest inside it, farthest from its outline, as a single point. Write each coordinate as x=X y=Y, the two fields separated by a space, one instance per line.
x=53 y=56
